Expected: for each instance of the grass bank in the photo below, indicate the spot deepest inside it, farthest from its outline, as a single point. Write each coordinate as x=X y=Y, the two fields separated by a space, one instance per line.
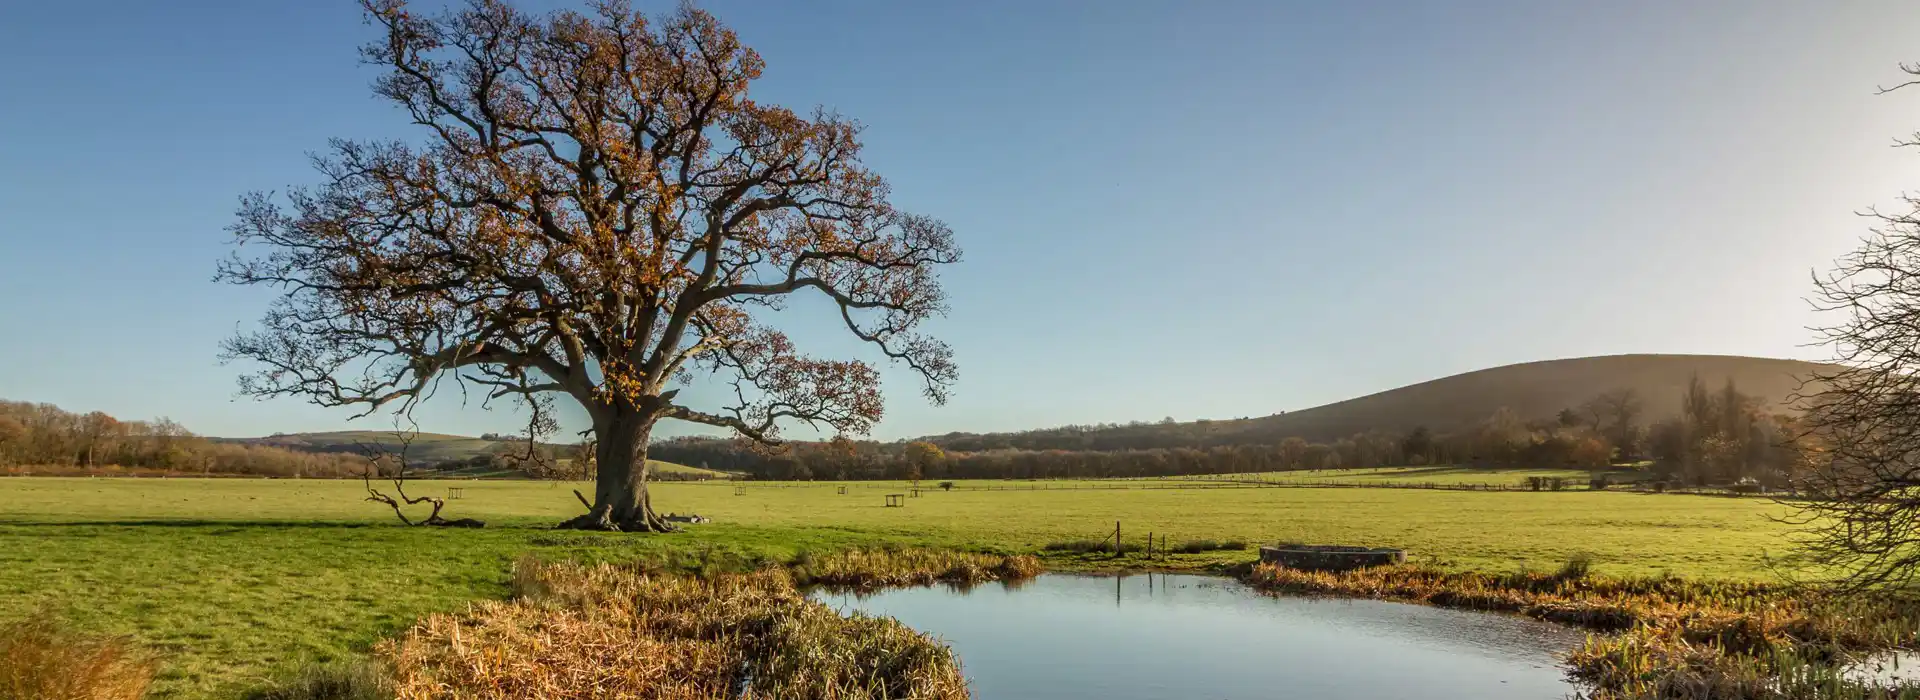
x=1663 y=637
x=638 y=630
x=231 y=581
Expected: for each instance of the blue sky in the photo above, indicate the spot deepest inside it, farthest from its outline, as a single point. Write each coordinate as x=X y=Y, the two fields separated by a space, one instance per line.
x=1210 y=209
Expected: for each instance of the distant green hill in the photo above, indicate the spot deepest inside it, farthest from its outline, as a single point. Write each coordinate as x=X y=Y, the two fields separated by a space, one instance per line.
x=426 y=449
x=1536 y=390
x=1533 y=390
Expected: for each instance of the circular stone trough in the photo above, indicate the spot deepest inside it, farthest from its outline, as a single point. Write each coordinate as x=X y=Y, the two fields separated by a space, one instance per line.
x=1330 y=557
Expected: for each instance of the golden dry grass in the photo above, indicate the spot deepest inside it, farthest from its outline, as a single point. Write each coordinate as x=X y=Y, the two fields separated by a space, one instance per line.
x=1669 y=637
x=40 y=660
x=617 y=632
x=875 y=568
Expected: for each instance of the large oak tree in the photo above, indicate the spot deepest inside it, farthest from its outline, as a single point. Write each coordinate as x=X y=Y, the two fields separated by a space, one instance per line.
x=598 y=211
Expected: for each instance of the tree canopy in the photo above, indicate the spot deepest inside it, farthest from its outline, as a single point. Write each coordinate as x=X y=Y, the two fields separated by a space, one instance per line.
x=599 y=211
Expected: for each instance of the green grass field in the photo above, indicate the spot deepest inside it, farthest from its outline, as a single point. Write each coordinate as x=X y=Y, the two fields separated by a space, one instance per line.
x=232 y=579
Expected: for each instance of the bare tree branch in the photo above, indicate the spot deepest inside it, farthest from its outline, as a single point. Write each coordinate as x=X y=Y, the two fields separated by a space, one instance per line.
x=1863 y=515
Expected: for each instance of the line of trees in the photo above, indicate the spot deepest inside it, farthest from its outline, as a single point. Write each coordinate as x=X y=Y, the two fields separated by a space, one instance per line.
x=1719 y=437
x=1727 y=437
x=44 y=435
x=1104 y=437
x=1722 y=437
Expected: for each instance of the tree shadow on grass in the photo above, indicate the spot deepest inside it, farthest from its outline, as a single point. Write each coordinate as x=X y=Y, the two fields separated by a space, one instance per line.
x=197 y=523
x=1449 y=469
x=1440 y=470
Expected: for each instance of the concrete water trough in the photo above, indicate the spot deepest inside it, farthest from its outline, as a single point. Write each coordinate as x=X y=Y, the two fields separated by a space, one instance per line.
x=1330 y=557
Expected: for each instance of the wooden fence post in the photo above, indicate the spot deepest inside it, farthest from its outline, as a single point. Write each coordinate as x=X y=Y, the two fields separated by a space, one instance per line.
x=1116 y=538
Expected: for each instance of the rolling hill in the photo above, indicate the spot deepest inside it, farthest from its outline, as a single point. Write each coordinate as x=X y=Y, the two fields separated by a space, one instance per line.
x=428 y=448
x=1538 y=390
x=1534 y=390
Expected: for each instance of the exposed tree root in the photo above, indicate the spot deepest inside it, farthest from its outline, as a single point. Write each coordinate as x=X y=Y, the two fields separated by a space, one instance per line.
x=602 y=521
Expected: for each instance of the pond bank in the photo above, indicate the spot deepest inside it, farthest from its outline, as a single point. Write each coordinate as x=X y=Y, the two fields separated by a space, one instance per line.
x=674 y=629
x=1662 y=637
x=1667 y=637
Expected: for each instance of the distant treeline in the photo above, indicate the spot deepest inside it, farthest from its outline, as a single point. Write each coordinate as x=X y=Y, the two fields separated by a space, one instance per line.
x=850 y=460
x=43 y=435
x=1113 y=437
x=1721 y=437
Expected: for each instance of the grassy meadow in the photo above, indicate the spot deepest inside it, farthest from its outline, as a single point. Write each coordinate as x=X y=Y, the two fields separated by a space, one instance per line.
x=231 y=580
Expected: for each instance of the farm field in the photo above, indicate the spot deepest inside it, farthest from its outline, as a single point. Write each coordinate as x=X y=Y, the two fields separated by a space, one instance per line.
x=232 y=579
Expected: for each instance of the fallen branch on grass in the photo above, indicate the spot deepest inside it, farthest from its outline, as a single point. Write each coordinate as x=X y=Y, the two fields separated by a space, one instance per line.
x=399 y=479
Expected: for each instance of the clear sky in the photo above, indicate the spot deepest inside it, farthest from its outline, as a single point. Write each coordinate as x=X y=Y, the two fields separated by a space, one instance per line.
x=1186 y=209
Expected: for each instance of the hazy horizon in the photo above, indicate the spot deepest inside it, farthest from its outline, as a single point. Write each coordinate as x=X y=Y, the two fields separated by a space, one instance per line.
x=1166 y=212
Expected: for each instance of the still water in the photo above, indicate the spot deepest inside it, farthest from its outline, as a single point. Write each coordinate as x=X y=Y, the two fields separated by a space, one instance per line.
x=1160 y=636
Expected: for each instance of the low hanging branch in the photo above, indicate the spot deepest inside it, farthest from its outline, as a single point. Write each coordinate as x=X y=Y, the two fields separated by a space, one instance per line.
x=599 y=212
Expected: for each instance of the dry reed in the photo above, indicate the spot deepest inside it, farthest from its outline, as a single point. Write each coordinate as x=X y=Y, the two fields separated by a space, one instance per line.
x=613 y=632
x=42 y=660
x=910 y=567
x=1668 y=637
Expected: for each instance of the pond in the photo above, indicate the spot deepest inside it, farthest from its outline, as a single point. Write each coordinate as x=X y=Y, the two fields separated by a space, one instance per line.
x=1157 y=636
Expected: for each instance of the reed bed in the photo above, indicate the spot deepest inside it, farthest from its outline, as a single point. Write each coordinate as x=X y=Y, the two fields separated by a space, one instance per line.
x=616 y=632
x=1647 y=662
x=1665 y=637
x=878 y=568
x=43 y=660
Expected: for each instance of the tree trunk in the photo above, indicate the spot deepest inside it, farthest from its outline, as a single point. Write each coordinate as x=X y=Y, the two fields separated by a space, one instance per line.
x=620 y=501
